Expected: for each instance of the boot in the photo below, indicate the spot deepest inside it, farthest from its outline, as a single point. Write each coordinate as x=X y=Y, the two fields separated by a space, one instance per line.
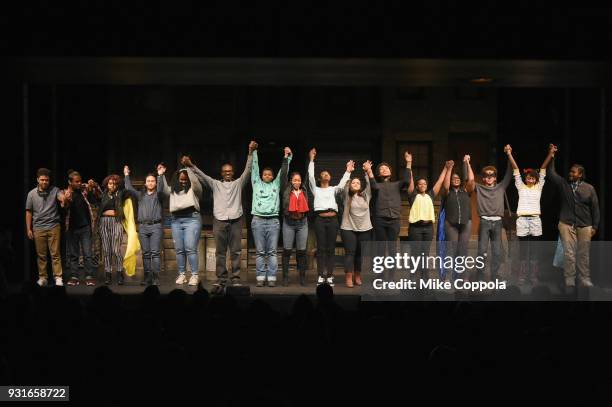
x=349 y=279
x=301 y=265
x=358 y=278
x=120 y=277
x=286 y=258
x=108 y=278
x=522 y=275
x=145 y=278
x=155 y=278
x=535 y=273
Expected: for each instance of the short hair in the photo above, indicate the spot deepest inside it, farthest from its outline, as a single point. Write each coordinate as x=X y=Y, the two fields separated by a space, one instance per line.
x=581 y=169
x=267 y=169
x=43 y=172
x=72 y=174
x=489 y=168
x=224 y=164
x=113 y=177
x=530 y=172
x=384 y=163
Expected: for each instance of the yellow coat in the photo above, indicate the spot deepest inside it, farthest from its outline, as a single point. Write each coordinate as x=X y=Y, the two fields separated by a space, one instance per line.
x=133 y=244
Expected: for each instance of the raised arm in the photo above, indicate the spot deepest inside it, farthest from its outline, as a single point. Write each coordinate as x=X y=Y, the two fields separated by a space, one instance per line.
x=281 y=179
x=127 y=180
x=516 y=172
x=406 y=173
x=311 y=171
x=508 y=175
x=551 y=172
x=350 y=166
x=438 y=185
x=470 y=185
x=255 y=179
x=162 y=185
x=244 y=177
x=367 y=168
x=447 y=178
x=552 y=149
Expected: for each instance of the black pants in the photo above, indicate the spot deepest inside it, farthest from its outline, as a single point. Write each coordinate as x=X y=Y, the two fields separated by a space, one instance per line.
x=420 y=237
x=227 y=234
x=352 y=248
x=387 y=230
x=326 y=230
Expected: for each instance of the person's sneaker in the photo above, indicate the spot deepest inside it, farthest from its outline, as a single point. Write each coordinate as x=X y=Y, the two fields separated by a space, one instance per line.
x=59 y=282
x=271 y=283
x=587 y=283
x=320 y=280
x=259 y=283
x=193 y=280
x=73 y=282
x=90 y=281
x=330 y=281
x=181 y=279
x=42 y=282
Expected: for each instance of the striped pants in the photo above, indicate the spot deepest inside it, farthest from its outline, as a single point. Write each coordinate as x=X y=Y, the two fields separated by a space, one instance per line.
x=111 y=235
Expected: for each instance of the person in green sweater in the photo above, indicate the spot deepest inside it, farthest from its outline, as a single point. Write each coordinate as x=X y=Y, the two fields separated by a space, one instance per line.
x=265 y=224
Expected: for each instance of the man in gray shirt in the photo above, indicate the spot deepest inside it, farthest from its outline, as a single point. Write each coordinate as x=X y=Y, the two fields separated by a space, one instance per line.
x=227 y=214
x=490 y=199
x=43 y=225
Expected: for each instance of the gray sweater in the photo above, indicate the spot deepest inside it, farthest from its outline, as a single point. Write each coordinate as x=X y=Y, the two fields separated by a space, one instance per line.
x=227 y=196
x=356 y=214
x=183 y=200
x=491 y=199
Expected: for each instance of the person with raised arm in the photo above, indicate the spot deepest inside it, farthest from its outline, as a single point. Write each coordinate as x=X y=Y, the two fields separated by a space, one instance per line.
x=326 y=216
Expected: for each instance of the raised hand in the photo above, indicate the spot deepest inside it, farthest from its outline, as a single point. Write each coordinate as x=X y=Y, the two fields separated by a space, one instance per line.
x=449 y=164
x=408 y=157
x=312 y=154
x=287 y=152
x=467 y=158
x=367 y=166
x=350 y=166
x=508 y=149
x=126 y=170
x=91 y=184
x=552 y=149
x=161 y=169
x=253 y=146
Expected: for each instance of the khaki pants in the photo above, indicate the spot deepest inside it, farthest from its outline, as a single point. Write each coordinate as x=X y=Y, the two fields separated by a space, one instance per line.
x=576 y=245
x=44 y=239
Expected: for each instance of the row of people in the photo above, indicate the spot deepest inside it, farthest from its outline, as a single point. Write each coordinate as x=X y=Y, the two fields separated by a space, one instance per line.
x=290 y=199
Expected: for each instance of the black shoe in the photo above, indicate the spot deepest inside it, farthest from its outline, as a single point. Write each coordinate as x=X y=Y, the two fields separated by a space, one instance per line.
x=108 y=278
x=120 y=277
x=236 y=282
x=302 y=278
x=145 y=278
x=154 y=278
x=285 y=281
x=218 y=289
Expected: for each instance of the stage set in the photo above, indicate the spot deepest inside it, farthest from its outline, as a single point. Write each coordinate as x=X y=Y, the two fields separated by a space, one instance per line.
x=96 y=115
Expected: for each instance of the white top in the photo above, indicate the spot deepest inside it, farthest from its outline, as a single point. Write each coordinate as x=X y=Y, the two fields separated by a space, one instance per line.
x=529 y=197
x=325 y=198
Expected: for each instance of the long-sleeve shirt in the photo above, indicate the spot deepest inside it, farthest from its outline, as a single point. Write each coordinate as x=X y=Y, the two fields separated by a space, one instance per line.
x=356 y=214
x=325 y=198
x=529 y=196
x=491 y=199
x=149 y=205
x=387 y=197
x=227 y=195
x=182 y=200
x=266 y=195
x=579 y=208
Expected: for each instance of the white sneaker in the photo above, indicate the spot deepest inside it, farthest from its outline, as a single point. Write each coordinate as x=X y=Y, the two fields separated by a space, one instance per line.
x=42 y=282
x=59 y=282
x=330 y=281
x=181 y=279
x=193 y=280
x=320 y=280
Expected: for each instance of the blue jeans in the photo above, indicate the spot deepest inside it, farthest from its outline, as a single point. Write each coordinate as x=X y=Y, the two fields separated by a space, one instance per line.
x=77 y=240
x=186 y=235
x=295 y=231
x=150 y=237
x=265 y=233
